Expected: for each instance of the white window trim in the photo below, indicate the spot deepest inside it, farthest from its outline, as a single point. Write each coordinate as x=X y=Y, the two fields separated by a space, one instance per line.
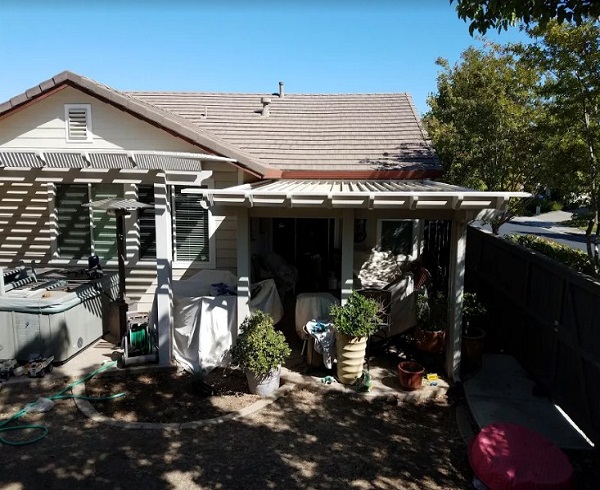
x=88 y=122
x=212 y=253
x=417 y=232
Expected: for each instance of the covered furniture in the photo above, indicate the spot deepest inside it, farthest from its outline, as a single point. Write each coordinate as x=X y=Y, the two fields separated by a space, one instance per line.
x=312 y=306
x=206 y=323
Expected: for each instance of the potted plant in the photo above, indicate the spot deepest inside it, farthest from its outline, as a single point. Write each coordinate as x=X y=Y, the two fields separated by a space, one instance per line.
x=473 y=336
x=353 y=323
x=410 y=375
x=432 y=314
x=259 y=351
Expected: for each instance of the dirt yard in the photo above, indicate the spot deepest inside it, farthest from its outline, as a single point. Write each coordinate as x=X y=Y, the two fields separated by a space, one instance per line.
x=315 y=439
x=303 y=440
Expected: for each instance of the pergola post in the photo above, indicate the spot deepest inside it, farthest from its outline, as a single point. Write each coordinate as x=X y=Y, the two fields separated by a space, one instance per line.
x=164 y=258
x=243 y=264
x=347 y=279
x=456 y=283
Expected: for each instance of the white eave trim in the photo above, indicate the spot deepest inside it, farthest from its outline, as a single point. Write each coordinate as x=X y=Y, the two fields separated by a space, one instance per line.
x=406 y=194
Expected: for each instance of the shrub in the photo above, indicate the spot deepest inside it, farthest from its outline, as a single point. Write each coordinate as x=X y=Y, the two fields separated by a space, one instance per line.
x=576 y=259
x=259 y=348
x=359 y=317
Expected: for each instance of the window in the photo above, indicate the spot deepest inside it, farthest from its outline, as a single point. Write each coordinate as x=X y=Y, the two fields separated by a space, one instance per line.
x=83 y=232
x=146 y=222
x=401 y=237
x=78 y=122
x=190 y=227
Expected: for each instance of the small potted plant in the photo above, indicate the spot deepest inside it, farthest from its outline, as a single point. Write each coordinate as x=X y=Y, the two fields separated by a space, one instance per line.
x=259 y=351
x=432 y=315
x=473 y=336
x=353 y=323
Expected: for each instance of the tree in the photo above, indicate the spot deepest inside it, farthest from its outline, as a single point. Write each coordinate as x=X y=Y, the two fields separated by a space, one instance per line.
x=569 y=59
x=492 y=14
x=484 y=123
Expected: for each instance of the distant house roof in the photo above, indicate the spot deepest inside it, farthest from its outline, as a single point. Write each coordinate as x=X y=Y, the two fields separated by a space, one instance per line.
x=361 y=136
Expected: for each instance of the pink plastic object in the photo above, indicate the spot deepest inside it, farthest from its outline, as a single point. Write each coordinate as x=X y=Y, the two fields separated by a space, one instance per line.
x=511 y=457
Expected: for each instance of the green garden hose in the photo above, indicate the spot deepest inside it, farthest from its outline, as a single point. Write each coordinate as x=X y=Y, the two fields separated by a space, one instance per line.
x=58 y=396
x=139 y=339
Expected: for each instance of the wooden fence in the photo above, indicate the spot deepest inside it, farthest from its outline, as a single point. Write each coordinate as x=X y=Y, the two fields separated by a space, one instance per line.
x=547 y=316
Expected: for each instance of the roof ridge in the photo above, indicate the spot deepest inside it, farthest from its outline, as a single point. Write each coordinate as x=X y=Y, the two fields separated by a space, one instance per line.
x=265 y=94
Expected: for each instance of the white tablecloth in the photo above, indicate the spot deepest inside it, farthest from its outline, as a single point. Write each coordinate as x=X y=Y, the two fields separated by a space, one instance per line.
x=312 y=306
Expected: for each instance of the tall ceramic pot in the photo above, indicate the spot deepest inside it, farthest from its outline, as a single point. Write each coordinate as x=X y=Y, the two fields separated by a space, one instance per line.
x=350 y=353
x=473 y=344
x=410 y=375
x=265 y=384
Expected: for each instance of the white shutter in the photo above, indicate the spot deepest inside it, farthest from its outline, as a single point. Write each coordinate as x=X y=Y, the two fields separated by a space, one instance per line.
x=78 y=122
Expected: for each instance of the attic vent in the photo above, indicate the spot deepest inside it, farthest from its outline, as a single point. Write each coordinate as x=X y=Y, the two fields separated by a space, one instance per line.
x=78 y=119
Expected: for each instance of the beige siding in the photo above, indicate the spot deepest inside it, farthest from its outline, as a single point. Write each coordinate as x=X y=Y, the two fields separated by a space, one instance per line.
x=26 y=228
x=25 y=210
x=42 y=125
x=24 y=223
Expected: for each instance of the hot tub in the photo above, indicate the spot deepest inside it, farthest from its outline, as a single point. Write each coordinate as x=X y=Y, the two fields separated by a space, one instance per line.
x=60 y=314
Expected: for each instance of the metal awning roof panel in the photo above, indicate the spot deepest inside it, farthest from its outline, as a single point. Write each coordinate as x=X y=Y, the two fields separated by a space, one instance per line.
x=370 y=194
x=107 y=159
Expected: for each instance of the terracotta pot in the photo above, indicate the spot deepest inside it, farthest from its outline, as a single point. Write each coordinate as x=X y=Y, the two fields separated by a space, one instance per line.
x=410 y=375
x=430 y=341
x=473 y=344
x=350 y=352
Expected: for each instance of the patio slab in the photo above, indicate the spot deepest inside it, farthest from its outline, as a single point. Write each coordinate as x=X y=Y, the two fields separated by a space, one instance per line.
x=502 y=391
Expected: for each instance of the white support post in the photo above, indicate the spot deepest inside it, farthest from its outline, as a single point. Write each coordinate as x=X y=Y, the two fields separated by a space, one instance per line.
x=347 y=279
x=456 y=284
x=164 y=259
x=243 y=265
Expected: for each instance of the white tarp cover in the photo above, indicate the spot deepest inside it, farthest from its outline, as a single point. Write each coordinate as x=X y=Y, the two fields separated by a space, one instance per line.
x=205 y=326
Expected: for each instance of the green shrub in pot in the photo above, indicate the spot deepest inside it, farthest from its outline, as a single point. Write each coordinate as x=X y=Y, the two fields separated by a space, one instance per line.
x=353 y=323
x=359 y=317
x=259 y=348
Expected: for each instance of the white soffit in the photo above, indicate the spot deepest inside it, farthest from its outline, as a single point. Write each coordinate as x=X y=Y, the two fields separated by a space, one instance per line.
x=370 y=194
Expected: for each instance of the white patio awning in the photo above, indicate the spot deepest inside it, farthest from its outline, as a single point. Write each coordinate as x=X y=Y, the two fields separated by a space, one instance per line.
x=369 y=194
x=108 y=158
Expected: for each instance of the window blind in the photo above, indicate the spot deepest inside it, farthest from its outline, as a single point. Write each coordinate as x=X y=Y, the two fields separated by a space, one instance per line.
x=190 y=227
x=146 y=223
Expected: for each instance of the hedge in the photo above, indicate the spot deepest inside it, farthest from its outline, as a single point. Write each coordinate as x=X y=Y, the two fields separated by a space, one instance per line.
x=576 y=259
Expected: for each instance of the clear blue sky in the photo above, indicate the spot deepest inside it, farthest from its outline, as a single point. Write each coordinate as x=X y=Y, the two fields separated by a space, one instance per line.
x=234 y=45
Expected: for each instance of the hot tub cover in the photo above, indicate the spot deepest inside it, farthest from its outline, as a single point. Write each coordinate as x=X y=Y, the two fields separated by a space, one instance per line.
x=512 y=457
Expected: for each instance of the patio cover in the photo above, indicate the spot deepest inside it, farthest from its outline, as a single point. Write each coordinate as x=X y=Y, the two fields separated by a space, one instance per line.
x=436 y=199
x=369 y=194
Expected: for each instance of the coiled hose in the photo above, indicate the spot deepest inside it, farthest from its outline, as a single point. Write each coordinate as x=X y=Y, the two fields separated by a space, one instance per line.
x=58 y=396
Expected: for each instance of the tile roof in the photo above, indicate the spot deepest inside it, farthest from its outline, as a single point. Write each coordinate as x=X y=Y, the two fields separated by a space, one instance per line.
x=311 y=132
x=376 y=134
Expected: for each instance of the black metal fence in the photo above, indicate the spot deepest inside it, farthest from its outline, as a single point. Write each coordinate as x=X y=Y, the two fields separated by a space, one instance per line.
x=436 y=252
x=547 y=316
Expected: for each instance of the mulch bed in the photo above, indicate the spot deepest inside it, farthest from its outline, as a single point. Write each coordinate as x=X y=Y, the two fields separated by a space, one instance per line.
x=171 y=397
